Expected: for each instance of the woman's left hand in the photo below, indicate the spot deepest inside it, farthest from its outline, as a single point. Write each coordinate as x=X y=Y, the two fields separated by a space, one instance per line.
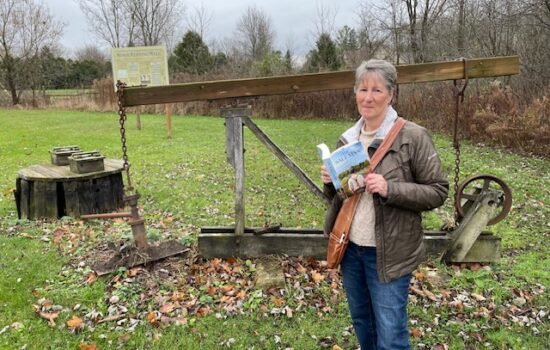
x=375 y=183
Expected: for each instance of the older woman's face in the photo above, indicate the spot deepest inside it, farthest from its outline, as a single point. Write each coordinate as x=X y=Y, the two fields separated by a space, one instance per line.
x=372 y=97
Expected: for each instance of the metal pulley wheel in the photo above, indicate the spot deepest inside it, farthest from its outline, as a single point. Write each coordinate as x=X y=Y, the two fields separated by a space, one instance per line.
x=472 y=188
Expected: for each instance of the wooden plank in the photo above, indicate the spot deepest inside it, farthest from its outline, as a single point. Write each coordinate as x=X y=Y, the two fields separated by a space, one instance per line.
x=51 y=172
x=471 y=227
x=300 y=174
x=426 y=72
x=239 y=175
x=25 y=199
x=224 y=245
x=230 y=141
x=43 y=200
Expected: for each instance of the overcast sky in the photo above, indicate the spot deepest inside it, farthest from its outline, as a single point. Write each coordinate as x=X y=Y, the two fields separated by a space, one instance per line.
x=293 y=20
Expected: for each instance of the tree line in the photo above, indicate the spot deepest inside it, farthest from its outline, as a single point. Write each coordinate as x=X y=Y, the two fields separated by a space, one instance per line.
x=401 y=31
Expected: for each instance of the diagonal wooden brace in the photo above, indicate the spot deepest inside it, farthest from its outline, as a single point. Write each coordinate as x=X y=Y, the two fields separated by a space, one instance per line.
x=471 y=226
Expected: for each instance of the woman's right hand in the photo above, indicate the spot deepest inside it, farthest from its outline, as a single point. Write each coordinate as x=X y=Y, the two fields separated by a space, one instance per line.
x=325 y=177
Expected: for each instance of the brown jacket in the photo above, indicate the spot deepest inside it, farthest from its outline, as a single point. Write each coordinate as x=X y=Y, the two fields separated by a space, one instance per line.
x=416 y=182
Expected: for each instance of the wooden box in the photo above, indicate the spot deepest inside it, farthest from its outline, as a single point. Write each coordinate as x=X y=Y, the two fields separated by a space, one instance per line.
x=60 y=155
x=86 y=162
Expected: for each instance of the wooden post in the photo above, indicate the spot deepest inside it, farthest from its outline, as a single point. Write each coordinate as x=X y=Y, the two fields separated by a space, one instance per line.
x=234 y=126
x=168 y=109
x=138 y=118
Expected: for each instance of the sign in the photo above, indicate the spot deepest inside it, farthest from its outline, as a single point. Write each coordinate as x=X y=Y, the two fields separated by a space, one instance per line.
x=140 y=66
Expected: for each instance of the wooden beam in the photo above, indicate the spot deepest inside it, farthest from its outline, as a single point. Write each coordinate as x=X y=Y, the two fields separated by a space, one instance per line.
x=415 y=73
x=309 y=243
x=300 y=174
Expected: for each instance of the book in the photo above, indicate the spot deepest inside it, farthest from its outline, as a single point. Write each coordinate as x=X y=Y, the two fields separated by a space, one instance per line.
x=349 y=159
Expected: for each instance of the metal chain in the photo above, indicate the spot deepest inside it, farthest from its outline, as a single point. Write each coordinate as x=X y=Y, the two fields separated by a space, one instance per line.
x=459 y=98
x=122 y=119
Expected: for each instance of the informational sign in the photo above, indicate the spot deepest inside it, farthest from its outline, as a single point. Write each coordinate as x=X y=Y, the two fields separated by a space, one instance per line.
x=142 y=65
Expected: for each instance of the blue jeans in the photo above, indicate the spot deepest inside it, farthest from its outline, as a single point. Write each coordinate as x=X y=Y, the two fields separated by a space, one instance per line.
x=378 y=310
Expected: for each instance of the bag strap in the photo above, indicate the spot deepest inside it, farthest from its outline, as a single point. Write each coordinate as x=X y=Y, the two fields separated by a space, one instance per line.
x=350 y=204
x=347 y=211
x=386 y=144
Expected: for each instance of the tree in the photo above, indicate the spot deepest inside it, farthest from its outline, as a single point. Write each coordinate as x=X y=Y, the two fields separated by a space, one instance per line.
x=325 y=19
x=426 y=12
x=90 y=52
x=27 y=27
x=199 y=20
x=325 y=57
x=347 y=43
x=192 y=54
x=156 y=20
x=255 y=33
x=110 y=20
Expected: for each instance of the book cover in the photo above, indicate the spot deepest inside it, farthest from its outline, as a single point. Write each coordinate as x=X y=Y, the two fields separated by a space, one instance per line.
x=346 y=160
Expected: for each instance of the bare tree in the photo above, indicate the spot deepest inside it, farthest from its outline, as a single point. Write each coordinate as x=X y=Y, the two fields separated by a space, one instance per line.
x=325 y=19
x=199 y=20
x=90 y=53
x=25 y=28
x=156 y=20
x=422 y=15
x=374 y=30
x=110 y=20
x=255 y=33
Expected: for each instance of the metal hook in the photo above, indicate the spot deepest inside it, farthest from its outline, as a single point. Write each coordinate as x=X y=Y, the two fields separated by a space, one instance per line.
x=460 y=91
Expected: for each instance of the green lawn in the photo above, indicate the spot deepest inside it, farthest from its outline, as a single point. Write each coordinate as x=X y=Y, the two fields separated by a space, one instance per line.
x=186 y=183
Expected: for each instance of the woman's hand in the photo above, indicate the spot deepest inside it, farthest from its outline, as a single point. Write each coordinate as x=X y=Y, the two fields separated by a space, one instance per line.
x=356 y=183
x=375 y=183
x=325 y=177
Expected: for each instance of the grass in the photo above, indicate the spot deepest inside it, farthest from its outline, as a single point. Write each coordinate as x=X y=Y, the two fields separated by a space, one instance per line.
x=186 y=183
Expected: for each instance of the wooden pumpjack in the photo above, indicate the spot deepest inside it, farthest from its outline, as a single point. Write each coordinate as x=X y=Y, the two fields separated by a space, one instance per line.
x=242 y=241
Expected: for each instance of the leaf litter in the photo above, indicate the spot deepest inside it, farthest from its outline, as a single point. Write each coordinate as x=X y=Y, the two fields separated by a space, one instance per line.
x=178 y=290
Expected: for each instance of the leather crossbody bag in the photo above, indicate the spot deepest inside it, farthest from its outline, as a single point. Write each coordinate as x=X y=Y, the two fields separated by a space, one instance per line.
x=339 y=236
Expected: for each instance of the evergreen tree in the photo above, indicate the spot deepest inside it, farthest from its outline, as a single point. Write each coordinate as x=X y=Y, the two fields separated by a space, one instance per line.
x=192 y=55
x=325 y=56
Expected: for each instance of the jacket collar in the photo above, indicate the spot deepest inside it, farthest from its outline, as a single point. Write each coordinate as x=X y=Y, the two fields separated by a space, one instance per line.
x=352 y=134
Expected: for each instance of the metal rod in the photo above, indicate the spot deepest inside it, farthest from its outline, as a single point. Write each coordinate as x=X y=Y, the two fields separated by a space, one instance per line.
x=106 y=216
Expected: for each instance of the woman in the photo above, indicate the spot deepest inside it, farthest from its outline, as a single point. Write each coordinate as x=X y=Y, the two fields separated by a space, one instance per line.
x=386 y=234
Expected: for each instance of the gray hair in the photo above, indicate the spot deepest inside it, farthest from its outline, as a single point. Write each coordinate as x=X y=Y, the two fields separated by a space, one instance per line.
x=385 y=69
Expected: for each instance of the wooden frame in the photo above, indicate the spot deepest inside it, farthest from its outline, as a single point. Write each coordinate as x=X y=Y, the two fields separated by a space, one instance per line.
x=237 y=241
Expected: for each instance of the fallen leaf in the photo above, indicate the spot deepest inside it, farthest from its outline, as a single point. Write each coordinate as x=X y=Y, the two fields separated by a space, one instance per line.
x=429 y=295
x=317 y=277
x=92 y=277
x=205 y=310
x=75 y=323
x=57 y=235
x=167 y=308
x=152 y=318
x=416 y=333
x=111 y=318
x=134 y=271
x=86 y=346
x=478 y=297
x=50 y=316
x=420 y=276
x=417 y=290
